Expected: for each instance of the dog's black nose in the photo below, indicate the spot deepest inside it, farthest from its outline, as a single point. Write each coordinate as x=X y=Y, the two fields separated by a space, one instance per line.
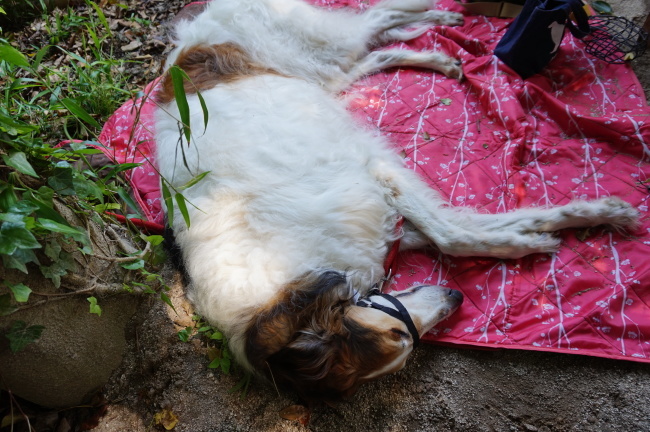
x=456 y=295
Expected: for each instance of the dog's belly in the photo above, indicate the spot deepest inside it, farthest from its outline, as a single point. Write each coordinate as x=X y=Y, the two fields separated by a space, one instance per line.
x=288 y=192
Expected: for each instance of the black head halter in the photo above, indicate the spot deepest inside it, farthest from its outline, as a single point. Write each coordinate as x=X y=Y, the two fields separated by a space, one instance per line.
x=399 y=312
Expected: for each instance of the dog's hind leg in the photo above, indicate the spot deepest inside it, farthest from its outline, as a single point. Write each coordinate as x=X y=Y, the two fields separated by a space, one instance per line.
x=463 y=232
x=606 y=211
x=378 y=60
x=454 y=231
x=392 y=14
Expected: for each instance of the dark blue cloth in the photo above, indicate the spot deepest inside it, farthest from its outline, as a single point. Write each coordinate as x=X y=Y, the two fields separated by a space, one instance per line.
x=534 y=37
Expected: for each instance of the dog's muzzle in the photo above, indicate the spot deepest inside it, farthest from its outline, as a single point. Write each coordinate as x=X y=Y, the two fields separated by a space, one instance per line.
x=399 y=312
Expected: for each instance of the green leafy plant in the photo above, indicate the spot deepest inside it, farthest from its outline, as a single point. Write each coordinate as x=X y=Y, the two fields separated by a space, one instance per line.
x=218 y=353
x=49 y=194
x=217 y=347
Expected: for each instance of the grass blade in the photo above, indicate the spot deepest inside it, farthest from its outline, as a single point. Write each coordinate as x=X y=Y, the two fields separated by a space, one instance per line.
x=102 y=18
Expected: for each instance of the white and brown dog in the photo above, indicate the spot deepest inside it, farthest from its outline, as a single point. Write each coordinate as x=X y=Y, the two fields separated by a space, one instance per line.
x=293 y=222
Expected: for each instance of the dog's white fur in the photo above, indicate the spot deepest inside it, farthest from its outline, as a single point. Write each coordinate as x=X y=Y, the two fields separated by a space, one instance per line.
x=295 y=184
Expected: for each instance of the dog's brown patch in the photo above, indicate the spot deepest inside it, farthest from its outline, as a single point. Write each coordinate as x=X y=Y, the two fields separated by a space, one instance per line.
x=209 y=65
x=307 y=341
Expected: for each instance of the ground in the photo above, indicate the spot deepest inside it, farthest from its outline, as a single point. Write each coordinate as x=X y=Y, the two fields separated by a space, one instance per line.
x=440 y=389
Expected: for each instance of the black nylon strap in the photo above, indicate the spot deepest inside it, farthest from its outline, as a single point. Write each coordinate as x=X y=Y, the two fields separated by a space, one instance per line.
x=401 y=313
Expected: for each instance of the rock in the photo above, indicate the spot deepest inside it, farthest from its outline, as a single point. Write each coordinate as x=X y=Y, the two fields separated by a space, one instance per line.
x=77 y=350
x=75 y=355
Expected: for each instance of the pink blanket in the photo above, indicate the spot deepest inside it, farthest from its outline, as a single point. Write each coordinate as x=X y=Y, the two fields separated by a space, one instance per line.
x=581 y=129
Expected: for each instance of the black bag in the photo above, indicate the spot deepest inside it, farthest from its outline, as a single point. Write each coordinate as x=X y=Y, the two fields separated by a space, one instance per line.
x=534 y=36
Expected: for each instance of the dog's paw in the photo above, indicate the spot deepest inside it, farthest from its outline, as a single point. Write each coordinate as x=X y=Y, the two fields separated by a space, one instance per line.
x=619 y=214
x=446 y=18
x=453 y=68
x=451 y=18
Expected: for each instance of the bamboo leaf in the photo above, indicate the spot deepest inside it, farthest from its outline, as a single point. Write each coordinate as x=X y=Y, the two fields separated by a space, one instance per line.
x=194 y=181
x=169 y=202
x=13 y=56
x=182 y=206
x=178 y=76
x=79 y=112
x=204 y=108
x=38 y=58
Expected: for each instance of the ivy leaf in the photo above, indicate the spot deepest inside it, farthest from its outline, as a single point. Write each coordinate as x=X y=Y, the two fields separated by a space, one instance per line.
x=5 y=305
x=18 y=160
x=54 y=273
x=52 y=250
x=16 y=236
x=19 y=259
x=214 y=364
x=184 y=335
x=62 y=182
x=225 y=366
x=21 y=292
x=155 y=240
x=60 y=267
x=20 y=335
x=94 y=307
x=86 y=188
x=135 y=265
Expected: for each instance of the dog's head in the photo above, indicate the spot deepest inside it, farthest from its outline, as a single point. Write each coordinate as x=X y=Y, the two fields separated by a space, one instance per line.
x=316 y=340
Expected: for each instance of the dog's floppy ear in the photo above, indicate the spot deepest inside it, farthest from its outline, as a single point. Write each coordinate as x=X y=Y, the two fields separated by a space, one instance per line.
x=302 y=301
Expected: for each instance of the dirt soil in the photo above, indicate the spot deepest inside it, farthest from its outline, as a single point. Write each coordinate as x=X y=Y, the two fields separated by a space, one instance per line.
x=440 y=389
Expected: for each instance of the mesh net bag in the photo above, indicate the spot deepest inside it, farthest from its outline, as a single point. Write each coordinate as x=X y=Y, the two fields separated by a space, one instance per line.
x=615 y=39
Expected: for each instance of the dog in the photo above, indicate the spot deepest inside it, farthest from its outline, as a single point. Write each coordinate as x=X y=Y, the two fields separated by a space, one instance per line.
x=291 y=224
